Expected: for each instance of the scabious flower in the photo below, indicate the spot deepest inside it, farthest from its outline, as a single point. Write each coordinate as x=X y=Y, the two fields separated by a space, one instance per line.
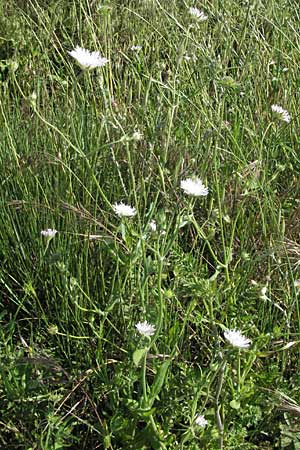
x=145 y=328
x=263 y=293
x=194 y=186
x=283 y=113
x=152 y=225
x=198 y=14
x=49 y=233
x=190 y=57
x=137 y=135
x=200 y=421
x=123 y=210
x=236 y=338
x=136 y=48
x=88 y=59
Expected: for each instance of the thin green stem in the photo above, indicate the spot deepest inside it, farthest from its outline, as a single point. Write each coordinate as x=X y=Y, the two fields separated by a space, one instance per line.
x=218 y=405
x=144 y=379
x=207 y=243
x=239 y=371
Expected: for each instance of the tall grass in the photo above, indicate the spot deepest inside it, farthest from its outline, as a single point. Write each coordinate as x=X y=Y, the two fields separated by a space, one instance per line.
x=195 y=100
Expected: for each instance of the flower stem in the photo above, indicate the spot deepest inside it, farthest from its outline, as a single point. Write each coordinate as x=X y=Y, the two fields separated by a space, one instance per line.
x=144 y=381
x=202 y=235
x=219 y=421
x=239 y=371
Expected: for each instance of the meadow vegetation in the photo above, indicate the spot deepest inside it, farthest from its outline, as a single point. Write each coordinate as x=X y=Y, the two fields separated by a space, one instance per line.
x=117 y=330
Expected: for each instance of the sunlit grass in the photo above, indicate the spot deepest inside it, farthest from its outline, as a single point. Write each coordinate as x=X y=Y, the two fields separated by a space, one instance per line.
x=149 y=225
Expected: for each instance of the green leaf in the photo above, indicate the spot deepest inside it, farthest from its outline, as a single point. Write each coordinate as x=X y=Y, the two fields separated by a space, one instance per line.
x=159 y=380
x=235 y=404
x=146 y=412
x=138 y=355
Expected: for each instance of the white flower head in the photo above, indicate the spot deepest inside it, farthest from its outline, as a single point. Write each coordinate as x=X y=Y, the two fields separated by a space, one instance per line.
x=145 y=328
x=283 y=113
x=137 y=135
x=236 y=338
x=49 y=233
x=88 y=59
x=190 y=57
x=263 y=293
x=136 y=48
x=123 y=210
x=198 y=14
x=194 y=186
x=200 y=421
x=152 y=225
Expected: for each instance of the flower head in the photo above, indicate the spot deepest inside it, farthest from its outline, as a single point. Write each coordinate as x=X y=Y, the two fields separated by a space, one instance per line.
x=137 y=135
x=198 y=14
x=263 y=293
x=152 y=225
x=190 y=57
x=136 y=48
x=145 y=328
x=49 y=233
x=283 y=113
x=123 y=210
x=194 y=186
x=235 y=338
x=87 y=59
x=200 y=421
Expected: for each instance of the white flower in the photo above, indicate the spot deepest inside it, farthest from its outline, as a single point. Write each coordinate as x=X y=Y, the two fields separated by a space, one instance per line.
x=263 y=293
x=236 y=339
x=200 y=421
x=198 y=14
x=87 y=59
x=152 y=225
x=297 y=284
x=136 y=48
x=284 y=115
x=123 y=210
x=193 y=187
x=190 y=57
x=137 y=135
x=145 y=328
x=49 y=233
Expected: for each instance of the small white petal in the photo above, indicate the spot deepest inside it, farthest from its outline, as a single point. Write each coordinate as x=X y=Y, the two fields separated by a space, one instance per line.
x=283 y=113
x=137 y=135
x=88 y=59
x=194 y=186
x=236 y=338
x=198 y=14
x=145 y=328
x=200 y=421
x=123 y=210
x=263 y=291
x=152 y=225
x=49 y=233
x=190 y=57
x=136 y=48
